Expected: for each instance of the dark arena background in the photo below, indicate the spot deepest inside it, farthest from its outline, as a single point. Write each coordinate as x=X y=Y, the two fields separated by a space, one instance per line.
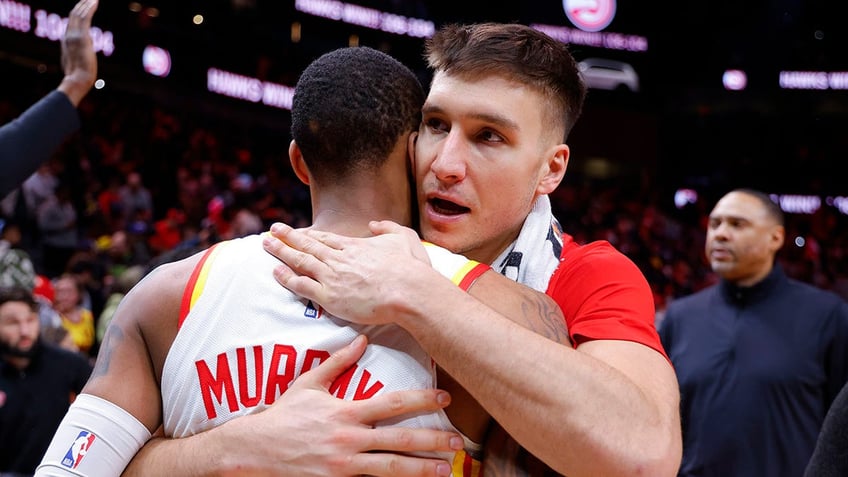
x=686 y=101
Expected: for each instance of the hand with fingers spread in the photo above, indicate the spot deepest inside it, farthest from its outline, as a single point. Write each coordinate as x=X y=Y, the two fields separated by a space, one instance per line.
x=79 y=61
x=364 y=280
x=310 y=432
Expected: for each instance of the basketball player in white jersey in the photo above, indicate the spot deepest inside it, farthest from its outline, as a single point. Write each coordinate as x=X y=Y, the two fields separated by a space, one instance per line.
x=213 y=337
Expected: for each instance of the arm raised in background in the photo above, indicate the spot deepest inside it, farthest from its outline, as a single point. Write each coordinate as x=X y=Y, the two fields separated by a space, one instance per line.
x=29 y=140
x=79 y=61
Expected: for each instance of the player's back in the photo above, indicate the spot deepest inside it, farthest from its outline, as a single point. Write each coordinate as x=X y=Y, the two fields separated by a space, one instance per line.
x=243 y=339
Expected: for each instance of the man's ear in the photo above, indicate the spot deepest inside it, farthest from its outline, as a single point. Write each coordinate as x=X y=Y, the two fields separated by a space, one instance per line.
x=413 y=138
x=299 y=167
x=553 y=170
x=778 y=235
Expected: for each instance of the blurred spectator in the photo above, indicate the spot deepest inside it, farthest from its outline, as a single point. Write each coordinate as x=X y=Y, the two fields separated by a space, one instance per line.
x=38 y=382
x=123 y=283
x=759 y=356
x=91 y=274
x=136 y=202
x=77 y=320
x=39 y=187
x=59 y=337
x=16 y=268
x=167 y=232
x=57 y=221
x=43 y=294
x=109 y=203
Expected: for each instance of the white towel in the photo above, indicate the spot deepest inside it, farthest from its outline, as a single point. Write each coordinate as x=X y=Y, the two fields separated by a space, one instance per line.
x=534 y=255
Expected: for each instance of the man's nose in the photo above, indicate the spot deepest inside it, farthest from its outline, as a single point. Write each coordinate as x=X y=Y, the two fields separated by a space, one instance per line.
x=30 y=328
x=450 y=162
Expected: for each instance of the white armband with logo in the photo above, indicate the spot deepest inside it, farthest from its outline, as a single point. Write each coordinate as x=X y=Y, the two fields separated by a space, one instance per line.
x=460 y=270
x=95 y=438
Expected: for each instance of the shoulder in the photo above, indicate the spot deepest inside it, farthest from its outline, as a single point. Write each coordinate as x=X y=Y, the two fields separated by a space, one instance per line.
x=599 y=253
x=810 y=297
x=603 y=294
x=690 y=303
x=154 y=302
x=147 y=319
x=594 y=265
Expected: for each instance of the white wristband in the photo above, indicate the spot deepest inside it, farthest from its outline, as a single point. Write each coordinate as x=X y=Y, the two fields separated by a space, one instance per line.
x=95 y=438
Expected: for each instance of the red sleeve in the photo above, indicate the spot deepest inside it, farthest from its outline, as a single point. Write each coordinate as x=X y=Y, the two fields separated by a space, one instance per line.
x=603 y=295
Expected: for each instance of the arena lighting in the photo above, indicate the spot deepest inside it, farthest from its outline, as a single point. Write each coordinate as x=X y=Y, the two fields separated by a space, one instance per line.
x=840 y=203
x=367 y=17
x=249 y=89
x=591 y=15
x=684 y=197
x=814 y=80
x=798 y=203
x=804 y=204
x=156 y=61
x=734 y=80
x=18 y=16
x=598 y=39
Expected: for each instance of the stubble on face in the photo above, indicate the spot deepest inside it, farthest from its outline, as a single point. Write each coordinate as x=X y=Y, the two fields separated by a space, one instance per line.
x=496 y=124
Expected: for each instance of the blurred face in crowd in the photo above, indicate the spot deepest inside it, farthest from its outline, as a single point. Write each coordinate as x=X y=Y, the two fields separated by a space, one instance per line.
x=19 y=328
x=67 y=295
x=742 y=239
x=482 y=156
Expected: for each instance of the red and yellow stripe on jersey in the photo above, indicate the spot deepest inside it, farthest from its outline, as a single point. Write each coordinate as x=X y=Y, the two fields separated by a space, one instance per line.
x=194 y=286
x=466 y=466
x=460 y=270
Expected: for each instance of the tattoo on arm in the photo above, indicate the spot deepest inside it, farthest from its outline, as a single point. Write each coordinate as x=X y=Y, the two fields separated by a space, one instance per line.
x=114 y=336
x=542 y=316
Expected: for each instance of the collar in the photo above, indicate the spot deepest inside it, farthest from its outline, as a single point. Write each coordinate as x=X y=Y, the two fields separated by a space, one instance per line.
x=756 y=292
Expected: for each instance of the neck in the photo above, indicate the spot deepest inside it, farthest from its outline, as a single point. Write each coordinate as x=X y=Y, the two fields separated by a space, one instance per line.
x=346 y=208
x=349 y=211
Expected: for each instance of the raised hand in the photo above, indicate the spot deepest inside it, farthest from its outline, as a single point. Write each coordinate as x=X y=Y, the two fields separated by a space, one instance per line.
x=79 y=61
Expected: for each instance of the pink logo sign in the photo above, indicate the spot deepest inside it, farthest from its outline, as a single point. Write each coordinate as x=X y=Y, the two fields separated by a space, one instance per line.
x=589 y=15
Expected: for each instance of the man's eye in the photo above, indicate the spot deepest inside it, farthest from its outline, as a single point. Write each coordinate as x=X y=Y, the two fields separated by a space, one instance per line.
x=490 y=136
x=435 y=124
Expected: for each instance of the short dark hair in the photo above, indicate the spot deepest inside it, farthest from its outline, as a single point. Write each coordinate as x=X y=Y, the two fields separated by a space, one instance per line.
x=772 y=208
x=518 y=53
x=20 y=294
x=349 y=109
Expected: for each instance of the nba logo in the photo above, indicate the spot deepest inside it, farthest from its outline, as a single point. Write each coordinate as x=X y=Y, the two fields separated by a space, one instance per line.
x=81 y=445
x=311 y=311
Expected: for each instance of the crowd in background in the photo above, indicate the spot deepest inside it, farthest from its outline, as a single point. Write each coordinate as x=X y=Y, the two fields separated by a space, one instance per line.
x=146 y=183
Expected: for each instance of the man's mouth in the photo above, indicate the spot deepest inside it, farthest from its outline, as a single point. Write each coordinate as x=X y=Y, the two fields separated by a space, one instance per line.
x=446 y=207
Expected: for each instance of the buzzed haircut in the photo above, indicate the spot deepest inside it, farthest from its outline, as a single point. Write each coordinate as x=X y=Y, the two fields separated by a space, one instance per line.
x=517 y=53
x=772 y=208
x=349 y=109
x=18 y=294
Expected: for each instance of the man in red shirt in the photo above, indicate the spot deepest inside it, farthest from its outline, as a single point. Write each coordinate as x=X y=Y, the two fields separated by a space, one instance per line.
x=490 y=148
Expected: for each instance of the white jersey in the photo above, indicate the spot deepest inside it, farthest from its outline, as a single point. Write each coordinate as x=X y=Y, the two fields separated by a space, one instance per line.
x=243 y=339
